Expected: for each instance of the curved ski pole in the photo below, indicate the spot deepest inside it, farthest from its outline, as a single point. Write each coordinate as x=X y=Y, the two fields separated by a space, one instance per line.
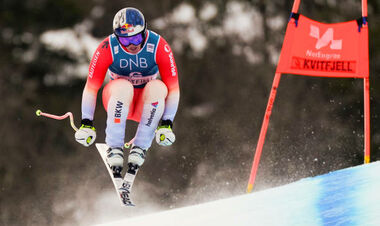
x=68 y=114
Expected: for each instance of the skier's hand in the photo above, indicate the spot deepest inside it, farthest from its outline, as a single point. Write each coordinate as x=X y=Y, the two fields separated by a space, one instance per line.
x=86 y=134
x=164 y=133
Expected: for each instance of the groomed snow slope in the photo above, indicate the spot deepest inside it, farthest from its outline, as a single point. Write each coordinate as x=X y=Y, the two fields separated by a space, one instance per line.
x=346 y=197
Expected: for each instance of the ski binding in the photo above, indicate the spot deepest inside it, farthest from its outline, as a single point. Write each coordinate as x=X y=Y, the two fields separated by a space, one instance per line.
x=123 y=186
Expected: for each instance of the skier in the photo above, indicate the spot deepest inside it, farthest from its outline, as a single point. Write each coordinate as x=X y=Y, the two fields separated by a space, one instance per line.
x=134 y=58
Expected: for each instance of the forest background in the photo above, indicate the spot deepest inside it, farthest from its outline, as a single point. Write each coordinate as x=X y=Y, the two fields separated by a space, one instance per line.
x=226 y=52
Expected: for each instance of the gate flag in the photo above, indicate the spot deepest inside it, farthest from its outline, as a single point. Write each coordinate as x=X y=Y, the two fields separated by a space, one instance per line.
x=326 y=50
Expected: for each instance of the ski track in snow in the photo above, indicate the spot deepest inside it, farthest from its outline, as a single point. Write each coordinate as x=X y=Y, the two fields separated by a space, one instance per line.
x=345 y=197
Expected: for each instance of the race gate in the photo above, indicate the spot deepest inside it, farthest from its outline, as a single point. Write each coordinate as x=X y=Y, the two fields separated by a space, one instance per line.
x=312 y=48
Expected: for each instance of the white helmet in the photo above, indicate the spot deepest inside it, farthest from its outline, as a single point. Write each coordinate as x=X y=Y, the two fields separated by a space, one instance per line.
x=129 y=22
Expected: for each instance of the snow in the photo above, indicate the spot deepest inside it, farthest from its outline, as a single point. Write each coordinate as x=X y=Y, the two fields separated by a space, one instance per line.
x=71 y=41
x=184 y=14
x=78 y=43
x=208 y=12
x=346 y=197
x=188 y=26
x=242 y=20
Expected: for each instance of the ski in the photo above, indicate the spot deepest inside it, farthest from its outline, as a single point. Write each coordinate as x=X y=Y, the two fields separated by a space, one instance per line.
x=126 y=188
x=123 y=186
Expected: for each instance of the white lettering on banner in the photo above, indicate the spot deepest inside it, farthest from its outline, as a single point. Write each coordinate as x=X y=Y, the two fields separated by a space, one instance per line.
x=135 y=78
x=135 y=74
x=319 y=54
x=139 y=63
x=95 y=60
x=325 y=39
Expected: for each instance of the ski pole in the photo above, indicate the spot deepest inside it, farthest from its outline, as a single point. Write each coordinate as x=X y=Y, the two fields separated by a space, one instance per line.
x=129 y=143
x=68 y=114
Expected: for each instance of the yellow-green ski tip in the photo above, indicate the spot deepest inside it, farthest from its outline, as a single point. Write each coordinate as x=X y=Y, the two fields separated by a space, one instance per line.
x=38 y=112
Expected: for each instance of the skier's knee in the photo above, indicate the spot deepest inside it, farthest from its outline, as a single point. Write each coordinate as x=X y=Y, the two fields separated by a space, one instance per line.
x=120 y=88
x=155 y=90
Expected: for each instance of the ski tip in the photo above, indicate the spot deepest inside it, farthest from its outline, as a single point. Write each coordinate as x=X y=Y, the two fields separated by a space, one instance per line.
x=128 y=205
x=127 y=202
x=38 y=112
x=125 y=198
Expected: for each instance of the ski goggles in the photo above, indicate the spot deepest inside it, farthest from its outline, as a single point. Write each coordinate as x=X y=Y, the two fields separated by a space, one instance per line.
x=135 y=40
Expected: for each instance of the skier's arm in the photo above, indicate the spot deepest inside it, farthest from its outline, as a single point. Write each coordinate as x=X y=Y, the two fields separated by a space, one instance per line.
x=169 y=75
x=100 y=62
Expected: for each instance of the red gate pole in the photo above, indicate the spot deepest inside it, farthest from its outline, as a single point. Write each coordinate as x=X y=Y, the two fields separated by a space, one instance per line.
x=264 y=127
x=364 y=8
x=296 y=5
x=263 y=132
x=366 y=122
x=367 y=116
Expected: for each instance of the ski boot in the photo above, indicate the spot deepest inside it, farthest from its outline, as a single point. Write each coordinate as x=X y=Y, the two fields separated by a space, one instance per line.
x=136 y=156
x=115 y=160
x=135 y=160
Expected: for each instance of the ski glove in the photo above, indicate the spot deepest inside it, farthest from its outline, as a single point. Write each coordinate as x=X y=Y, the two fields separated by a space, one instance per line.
x=86 y=134
x=164 y=133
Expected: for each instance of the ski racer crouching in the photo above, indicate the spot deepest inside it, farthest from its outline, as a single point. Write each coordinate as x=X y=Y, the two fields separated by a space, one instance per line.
x=133 y=56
